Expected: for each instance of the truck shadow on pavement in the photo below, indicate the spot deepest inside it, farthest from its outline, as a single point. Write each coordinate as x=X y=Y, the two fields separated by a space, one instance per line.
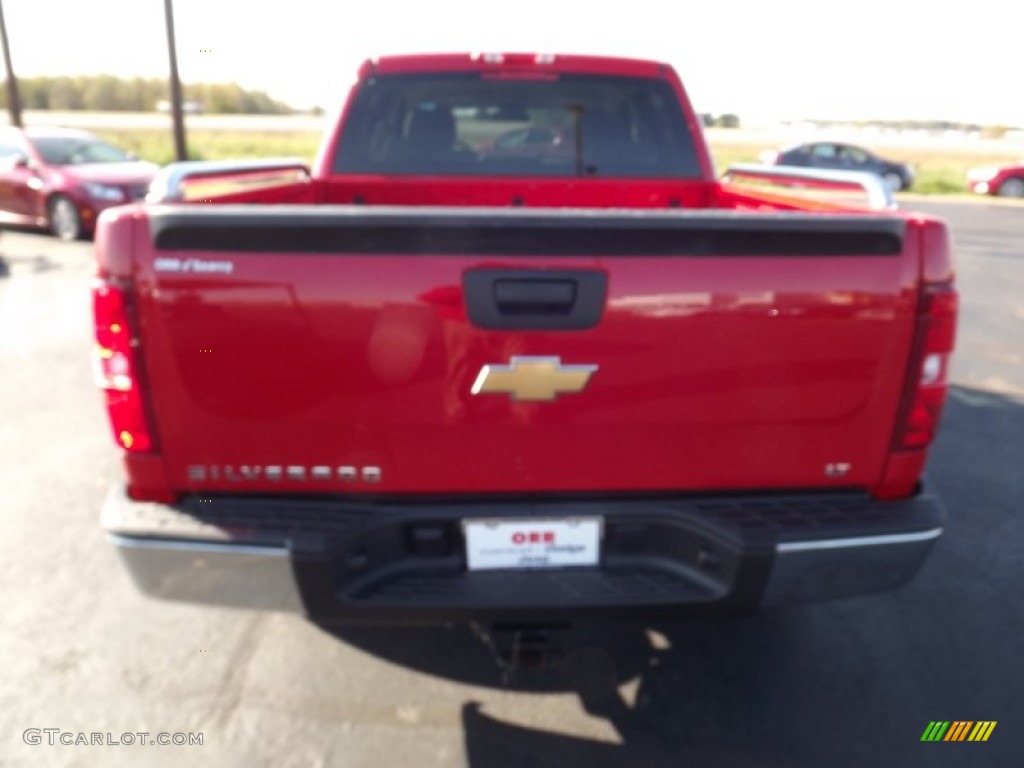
x=842 y=683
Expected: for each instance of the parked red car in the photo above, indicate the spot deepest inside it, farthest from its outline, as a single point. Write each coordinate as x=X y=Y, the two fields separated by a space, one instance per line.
x=61 y=179
x=1005 y=181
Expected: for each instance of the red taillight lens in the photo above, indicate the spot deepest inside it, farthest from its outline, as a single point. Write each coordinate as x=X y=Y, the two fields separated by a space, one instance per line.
x=927 y=388
x=116 y=370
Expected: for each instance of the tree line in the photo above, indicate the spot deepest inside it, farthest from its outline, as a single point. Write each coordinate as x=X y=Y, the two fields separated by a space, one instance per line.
x=106 y=93
x=720 y=121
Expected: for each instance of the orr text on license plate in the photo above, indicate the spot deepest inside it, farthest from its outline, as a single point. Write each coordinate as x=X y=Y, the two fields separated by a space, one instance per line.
x=532 y=543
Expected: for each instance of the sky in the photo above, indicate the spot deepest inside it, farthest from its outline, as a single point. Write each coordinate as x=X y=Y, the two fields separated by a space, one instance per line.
x=784 y=59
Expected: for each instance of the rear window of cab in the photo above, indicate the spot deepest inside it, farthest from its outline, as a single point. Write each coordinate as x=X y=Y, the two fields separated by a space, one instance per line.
x=483 y=125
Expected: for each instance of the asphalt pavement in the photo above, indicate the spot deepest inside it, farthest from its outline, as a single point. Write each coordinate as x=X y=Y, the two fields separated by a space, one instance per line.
x=848 y=683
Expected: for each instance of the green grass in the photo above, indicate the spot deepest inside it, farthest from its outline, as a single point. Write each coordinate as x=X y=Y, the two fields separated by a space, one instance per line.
x=726 y=155
x=157 y=146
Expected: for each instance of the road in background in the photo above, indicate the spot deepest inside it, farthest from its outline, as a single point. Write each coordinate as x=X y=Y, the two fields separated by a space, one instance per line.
x=767 y=136
x=849 y=683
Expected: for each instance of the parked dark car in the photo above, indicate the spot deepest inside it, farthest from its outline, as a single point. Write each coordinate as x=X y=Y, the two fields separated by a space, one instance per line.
x=60 y=179
x=846 y=157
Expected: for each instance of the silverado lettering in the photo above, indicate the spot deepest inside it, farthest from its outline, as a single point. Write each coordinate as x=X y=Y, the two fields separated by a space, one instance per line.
x=301 y=473
x=510 y=350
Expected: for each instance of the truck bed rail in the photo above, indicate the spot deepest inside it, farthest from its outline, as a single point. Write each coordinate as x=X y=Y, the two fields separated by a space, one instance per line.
x=879 y=194
x=195 y=180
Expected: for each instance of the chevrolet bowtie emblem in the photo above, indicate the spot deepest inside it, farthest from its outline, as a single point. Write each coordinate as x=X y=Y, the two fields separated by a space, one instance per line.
x=532 y=378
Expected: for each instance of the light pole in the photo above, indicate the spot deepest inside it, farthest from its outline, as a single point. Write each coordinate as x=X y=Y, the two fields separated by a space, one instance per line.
x=13 y=100
x=176 y=108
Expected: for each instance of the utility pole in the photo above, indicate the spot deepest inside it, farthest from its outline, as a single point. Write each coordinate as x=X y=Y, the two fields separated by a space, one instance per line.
x=13 y=101
x=176 y=107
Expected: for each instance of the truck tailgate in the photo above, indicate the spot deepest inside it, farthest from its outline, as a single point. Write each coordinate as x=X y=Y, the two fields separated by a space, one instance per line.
x=429 y=351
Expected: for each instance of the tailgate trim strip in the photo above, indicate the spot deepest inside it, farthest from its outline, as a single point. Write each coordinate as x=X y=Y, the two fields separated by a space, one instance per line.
x=569 y=232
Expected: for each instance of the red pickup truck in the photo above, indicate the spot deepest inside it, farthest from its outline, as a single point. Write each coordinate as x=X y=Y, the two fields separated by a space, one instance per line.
x=510 y=350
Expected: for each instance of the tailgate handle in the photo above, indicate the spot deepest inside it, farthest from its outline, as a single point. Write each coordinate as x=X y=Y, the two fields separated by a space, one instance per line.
x=535 y=299
x=518 y=297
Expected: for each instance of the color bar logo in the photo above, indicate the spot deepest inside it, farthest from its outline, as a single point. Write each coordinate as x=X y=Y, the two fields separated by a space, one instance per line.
x=958 y=730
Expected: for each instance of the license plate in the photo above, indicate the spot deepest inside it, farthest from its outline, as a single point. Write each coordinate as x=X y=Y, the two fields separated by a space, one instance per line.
x=534 y=543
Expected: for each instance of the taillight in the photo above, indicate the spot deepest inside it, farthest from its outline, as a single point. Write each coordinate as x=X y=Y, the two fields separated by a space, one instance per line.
x=116 y=369
x=926 y=390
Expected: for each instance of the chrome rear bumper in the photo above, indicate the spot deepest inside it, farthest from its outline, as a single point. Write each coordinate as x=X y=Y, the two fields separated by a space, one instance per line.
x=207 y=572
x=341 y=561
